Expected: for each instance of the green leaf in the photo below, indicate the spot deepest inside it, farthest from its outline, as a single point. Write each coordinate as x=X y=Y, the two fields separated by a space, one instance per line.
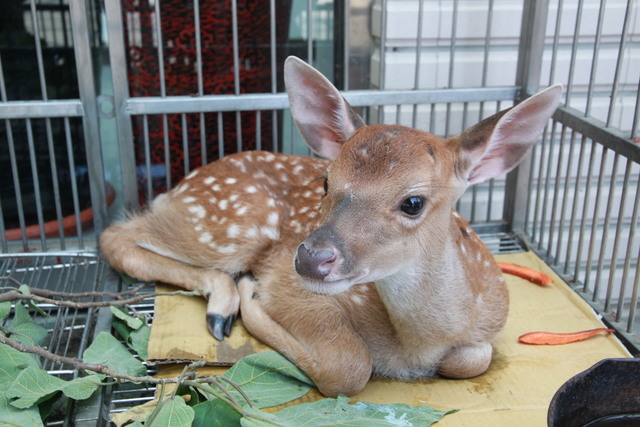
x=338 y=412
x=24 y=289
x=25 y=329
x=173 y=412
x=131 y=321
x=215 y=413
x=269 y=379
x=5 y=309
x=139 y=341
x=34 y=385
x=12 y=362
x=127 y=280
x=10 y=416
x=108 y=351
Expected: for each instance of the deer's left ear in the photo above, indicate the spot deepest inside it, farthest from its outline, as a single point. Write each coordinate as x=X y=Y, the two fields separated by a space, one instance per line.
x=498 y=143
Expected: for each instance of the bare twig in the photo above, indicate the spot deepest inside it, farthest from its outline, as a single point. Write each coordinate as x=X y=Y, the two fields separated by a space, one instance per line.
x=17 y=295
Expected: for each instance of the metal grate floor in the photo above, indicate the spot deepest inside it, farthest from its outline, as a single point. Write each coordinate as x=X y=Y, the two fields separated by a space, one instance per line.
x=71 y=330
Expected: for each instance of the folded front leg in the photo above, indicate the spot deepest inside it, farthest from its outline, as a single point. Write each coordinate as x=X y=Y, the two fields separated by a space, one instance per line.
x=323 y=345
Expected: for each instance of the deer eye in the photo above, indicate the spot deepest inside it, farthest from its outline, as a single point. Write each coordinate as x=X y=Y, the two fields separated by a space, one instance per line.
x=326 y=186
x=413 y=205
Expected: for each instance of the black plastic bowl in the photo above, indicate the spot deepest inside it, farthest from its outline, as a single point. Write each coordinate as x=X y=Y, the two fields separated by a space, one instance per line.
x=607 y=394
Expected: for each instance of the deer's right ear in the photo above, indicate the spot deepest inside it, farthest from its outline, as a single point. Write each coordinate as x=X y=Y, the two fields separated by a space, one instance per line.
x=322 y=116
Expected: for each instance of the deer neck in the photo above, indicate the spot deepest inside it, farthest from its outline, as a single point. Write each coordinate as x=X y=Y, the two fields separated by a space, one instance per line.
x=418 y=295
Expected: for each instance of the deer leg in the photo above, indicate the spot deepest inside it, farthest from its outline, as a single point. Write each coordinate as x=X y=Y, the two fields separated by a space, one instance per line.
x=120 y=247
x=336 y=360
x=466 y=361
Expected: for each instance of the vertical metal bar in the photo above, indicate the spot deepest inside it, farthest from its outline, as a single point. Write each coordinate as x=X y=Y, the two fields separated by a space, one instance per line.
x=120 y=84
x=636 y=117
x=633 y=304
x=556 y=191
x=616 y=240
x=565 y=198
x=196 y=19
x=556 y=38
x=147 y=157
x=274 y=81
x=594 y=220
x=594 y=60
x=528 y=71
x=630 y=243
x=236 y=69
x=485 y=58
x=74 y=184
x=36 y=182
x=416 y=79
x=452 y=53
x=203 y=139
x=347 y=41
x=54 y=180
x=616 y=78
x=163 y=94
x=258 y=130
x=310 y=32
x=383 y=48
x=40 y=61
x=574 y=52
x=541 y=167
x=574 y=207
x=220 y=136
x=605 y=228
x=585 y=206
x=16 y=183
x=543 y=220
x=185 y=143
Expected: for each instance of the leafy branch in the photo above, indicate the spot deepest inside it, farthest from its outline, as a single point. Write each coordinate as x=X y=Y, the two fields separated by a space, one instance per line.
x=258 y=381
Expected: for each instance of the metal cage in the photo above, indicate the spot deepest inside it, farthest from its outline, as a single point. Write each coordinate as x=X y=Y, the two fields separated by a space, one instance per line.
x=107 y=103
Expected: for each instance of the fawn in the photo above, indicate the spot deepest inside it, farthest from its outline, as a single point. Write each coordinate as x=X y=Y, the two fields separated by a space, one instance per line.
x=349 y=268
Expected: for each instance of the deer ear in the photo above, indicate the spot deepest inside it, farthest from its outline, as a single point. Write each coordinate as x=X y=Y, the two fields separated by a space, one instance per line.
x=323 y=117
x=498 y=143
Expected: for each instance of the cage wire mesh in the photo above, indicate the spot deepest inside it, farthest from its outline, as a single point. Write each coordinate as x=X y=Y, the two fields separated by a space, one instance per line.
x=126 y=97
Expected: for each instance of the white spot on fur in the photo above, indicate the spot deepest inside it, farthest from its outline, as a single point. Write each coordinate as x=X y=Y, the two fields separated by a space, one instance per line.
x=251 y=189
x=463 y=249
x=455 y=214
x=357 y=299
x=197 y=210
x=223 y=204
x=230 y=181
x=251 y=233
x=270 y=232
x=307 y=194
x=205 y=237
x=213 y=200
x=229 y=249
x=198 y=228
x=182 y=188
x=241 y=210
x=273 y=218
x=279 y=166
x=192 y=174
x=209 y=180
x=189 y=199
x=234 y=197
x=487 y=264
x=298 y=169
x=216 y=187
x=233 y=231
x=271 y=203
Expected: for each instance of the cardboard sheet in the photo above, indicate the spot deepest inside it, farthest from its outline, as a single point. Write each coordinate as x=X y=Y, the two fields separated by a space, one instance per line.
x=516 y=390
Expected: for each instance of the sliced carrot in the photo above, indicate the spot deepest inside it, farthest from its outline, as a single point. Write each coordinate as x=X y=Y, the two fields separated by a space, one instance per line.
x=530 y=274
x=555 y=338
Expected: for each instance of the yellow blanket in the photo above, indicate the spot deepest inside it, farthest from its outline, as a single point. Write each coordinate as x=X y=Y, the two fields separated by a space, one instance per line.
x=516 y=390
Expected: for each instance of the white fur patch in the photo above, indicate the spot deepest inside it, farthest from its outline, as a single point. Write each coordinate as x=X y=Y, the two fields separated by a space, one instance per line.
x=230 y=181
x=251 y=189
x=209 y=180
x=205 y=237
x=197 y=210
x=233 y=231
x=223 y=205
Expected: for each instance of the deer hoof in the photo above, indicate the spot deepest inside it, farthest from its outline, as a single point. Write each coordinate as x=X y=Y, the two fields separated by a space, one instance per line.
x=220 y=326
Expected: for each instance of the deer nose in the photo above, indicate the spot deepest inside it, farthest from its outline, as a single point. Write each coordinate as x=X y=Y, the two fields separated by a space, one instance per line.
x=315 y=264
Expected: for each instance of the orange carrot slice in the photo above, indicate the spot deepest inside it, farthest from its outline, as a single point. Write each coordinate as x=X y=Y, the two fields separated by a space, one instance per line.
x=555 y=338
x=526 y=273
